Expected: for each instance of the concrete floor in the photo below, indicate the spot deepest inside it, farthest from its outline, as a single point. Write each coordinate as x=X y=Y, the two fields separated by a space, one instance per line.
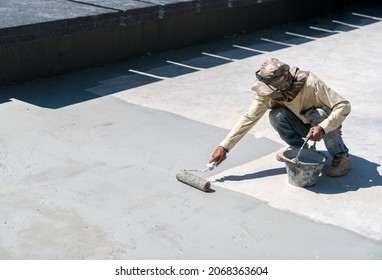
x=88 y=160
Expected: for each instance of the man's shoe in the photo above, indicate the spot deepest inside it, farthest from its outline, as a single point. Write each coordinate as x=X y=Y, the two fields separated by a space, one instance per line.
x=339 y=166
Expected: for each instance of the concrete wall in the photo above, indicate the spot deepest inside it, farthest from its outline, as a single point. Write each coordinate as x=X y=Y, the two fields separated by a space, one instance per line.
x=52 y=48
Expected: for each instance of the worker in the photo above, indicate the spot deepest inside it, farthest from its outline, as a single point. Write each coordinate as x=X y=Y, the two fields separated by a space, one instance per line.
x=301 y=105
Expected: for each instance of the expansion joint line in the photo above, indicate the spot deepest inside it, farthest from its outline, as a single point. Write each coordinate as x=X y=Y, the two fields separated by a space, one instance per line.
x=161 y=7
x=151 y=2
x=95 y=5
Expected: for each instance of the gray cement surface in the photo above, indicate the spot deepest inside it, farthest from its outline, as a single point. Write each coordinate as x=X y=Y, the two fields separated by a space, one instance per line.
x=16 y=13
x=120 y=5
x=88 y=160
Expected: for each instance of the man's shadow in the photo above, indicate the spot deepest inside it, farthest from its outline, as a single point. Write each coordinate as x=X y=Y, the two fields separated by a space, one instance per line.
x=363 y=174
x=253 y=176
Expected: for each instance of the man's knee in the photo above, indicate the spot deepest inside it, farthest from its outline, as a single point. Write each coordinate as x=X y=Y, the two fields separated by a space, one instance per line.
x=277 y=115
x=317 y=115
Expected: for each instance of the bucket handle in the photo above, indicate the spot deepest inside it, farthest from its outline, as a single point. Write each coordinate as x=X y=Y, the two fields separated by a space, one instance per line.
x=299 y=151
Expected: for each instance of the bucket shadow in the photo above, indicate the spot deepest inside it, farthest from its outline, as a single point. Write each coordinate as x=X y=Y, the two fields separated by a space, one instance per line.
x=363 y=174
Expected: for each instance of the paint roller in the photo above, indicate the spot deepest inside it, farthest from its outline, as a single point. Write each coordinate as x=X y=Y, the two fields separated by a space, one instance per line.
x=194 y=181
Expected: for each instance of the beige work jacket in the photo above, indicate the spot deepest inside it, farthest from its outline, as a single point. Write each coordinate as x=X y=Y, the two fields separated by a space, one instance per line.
x=315 y=94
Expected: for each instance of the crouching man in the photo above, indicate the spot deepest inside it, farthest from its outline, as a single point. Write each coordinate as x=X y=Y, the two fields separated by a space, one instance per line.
x=301 y=104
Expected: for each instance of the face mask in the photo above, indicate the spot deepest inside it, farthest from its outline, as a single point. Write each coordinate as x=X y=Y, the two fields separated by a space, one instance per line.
x=281 y=83
x=281 y=87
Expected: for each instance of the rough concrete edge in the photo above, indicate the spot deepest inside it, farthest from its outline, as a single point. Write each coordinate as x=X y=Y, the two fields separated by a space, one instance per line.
x=116 y=17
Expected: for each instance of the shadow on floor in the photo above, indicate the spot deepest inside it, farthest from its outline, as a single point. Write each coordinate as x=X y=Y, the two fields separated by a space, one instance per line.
x=363 y=174
x=252 y=176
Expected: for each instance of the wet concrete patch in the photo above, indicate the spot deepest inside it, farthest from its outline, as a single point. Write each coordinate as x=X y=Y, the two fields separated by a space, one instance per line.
x=96 y=180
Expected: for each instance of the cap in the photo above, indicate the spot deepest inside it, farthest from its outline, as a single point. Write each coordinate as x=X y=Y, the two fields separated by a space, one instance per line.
x=269 y=70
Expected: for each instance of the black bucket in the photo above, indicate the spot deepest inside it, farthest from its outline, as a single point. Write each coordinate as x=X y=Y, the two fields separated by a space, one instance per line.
x=305 y=171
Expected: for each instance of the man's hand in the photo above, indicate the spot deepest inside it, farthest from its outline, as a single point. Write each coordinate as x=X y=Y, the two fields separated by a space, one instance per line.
x=219 y=155
x=317 y=131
